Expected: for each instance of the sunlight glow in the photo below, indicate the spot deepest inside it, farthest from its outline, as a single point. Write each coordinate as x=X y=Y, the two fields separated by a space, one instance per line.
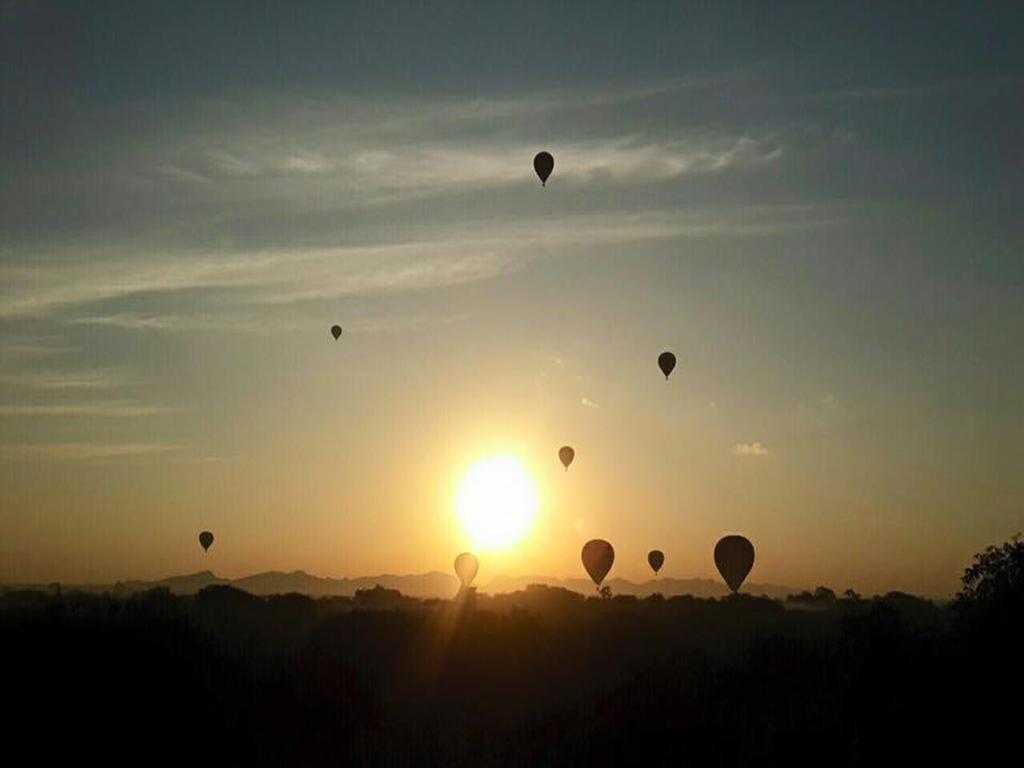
x=496 y=503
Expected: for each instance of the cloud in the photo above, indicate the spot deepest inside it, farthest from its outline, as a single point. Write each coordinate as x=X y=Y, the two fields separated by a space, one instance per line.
x=448 y=168
x=442 y=255
x=255 y=323
x=272 y=276
x=177 y=323
x=750 y=449
x=99 y=410
x=109 y=274
x=205 y=460
x=272 y=199
x=181 y=174
x=371 y=171
x=203 y=165
x=631 y=159
x=27 y=348
x=98 y=378
x=588 y=403
x=81 y=451
x=400 y=268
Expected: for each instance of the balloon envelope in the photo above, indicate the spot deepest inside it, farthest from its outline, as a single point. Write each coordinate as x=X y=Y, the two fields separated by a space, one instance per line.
x=598 y=557
x=655 y=558
x=466 y=566
x=335 y=331
x=666 y=361
x=543 y=164
x=565 y=455
x=206 y=539
x=734 y=557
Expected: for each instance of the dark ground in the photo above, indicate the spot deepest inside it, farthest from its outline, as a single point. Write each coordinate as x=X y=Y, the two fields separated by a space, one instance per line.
x=541 y=677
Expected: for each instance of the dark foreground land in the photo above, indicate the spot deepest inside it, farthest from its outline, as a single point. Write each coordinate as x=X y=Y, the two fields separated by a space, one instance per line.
x=540 y=677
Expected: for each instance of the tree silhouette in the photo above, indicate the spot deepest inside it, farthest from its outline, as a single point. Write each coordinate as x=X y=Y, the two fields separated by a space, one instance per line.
x=824 y=595
x=990 y=607
x=540 y=676
x=997 y=575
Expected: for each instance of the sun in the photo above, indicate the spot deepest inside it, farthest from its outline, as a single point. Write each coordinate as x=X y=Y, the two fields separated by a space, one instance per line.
x=496 y=503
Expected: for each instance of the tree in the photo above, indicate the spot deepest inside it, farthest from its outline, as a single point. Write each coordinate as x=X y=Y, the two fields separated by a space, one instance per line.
x=990 y=607
x=995 y=577
x=824 y=595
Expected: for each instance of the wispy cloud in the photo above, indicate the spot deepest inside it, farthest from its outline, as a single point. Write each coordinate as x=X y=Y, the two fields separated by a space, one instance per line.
x=15 y=348
x=104 y=275
x=588 y=403
x=400 y=268
x=453 y=254
x=204 y=460
x=252 y=323
x=81 y=451
x=178 y=323
x=99 y=410
x=373 y=174
x=887 y=93
x=91 y=379
x=280 y=199
x=750 y=449
x=181 y=174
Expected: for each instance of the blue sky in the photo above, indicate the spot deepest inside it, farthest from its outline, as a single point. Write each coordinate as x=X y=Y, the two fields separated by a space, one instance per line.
x=815 y=206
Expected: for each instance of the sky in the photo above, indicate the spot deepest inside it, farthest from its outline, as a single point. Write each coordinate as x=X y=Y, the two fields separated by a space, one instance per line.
x=816 y=206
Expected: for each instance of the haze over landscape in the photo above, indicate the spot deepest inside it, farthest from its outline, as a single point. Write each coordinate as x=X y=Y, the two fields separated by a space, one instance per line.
x=817 y=212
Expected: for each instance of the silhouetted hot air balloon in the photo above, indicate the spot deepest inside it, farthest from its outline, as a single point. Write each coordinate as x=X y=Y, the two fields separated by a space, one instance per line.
x=206 y=539
x=598 y=557
x=734 y=556
x=666 y=361
x=656 y=558
x=336 y=331
x=466 y=566
x=543 y=164
x=565 y=455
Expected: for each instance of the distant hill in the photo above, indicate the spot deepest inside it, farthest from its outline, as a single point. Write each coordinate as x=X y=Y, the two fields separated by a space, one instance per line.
x=432 y=584
x=666 y=586
x=179 y=585
x=425 y=585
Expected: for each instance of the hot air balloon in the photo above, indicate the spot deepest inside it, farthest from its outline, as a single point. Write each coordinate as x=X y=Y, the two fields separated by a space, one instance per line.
x=543 y=164
x=656 y=558
x=336 y=331
x=206 y=539
x=466 y=566
x=734 y=557
x=598 y=557
x=666 y=361
x=565 y=455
